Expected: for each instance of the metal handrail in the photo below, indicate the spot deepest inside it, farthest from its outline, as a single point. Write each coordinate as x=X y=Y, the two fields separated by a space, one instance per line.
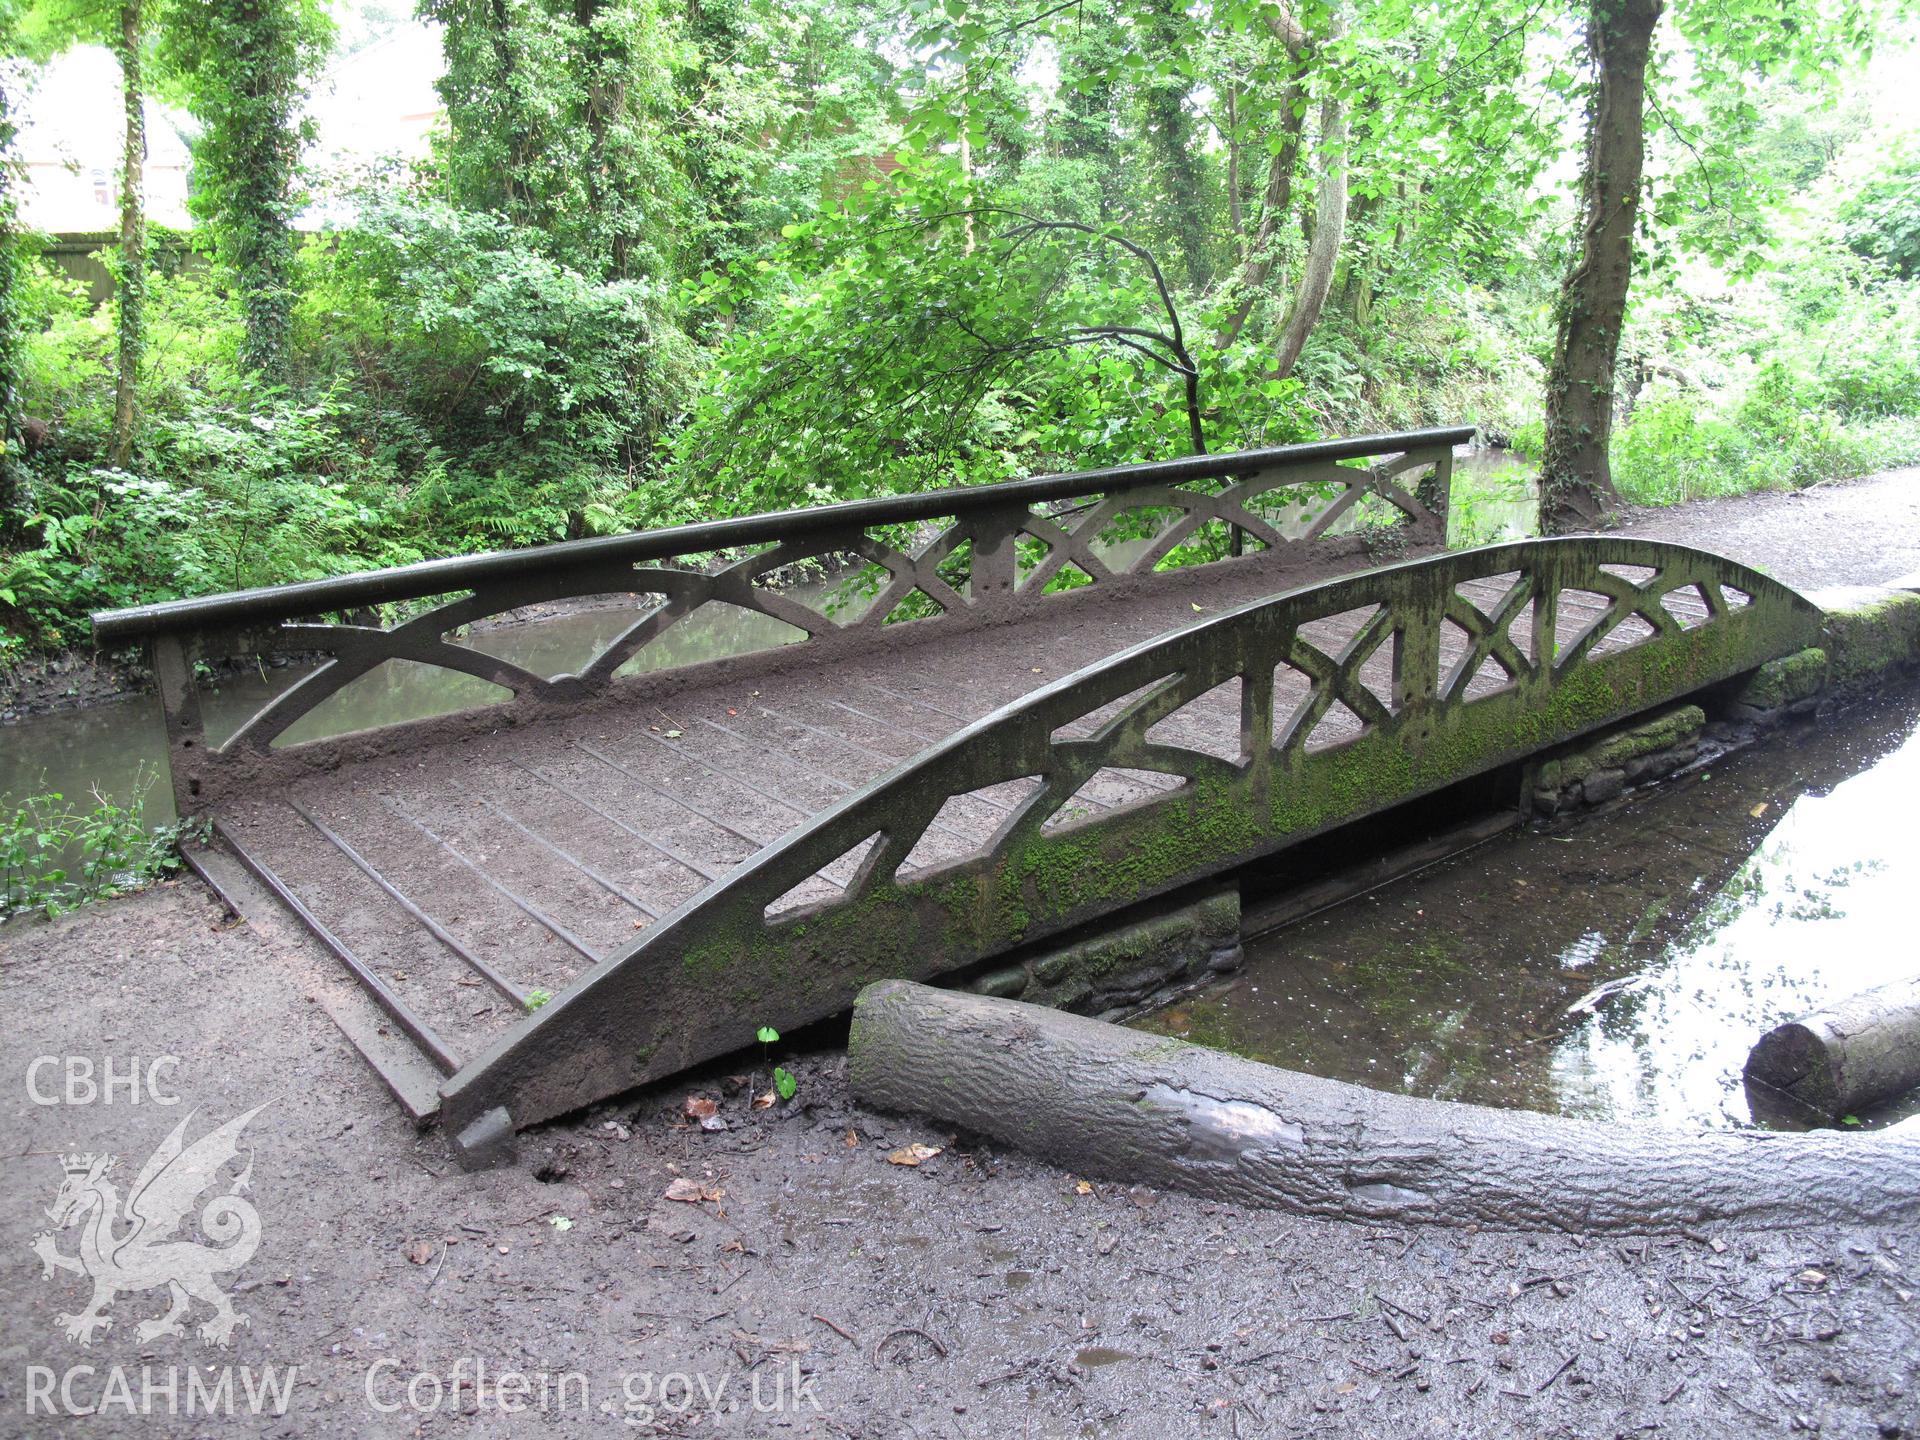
x=438 y=577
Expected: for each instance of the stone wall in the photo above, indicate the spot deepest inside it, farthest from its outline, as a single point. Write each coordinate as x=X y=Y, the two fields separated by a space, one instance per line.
x=1117 y=970
x=1870 y=640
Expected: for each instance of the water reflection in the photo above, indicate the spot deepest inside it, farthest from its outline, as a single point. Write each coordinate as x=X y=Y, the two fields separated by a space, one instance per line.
x=116 y=747
x=1623 y=969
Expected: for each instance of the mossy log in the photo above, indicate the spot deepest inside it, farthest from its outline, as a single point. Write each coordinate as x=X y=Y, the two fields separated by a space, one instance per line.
x=1843 y=1058
x=1107 y=1102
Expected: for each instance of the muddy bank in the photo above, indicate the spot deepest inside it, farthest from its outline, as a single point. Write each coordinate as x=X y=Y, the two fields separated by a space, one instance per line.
x=973 y=1294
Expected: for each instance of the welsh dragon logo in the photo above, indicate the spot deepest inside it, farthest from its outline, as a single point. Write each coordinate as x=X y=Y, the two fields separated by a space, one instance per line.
x=145 y=1255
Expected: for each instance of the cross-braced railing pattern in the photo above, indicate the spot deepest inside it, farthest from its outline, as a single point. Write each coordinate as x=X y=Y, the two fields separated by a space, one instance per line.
x=1215 y=744
x=946 y=558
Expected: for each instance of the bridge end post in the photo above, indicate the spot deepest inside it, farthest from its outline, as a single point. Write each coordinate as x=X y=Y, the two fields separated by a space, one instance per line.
x=486 y=1143
x=186 y=733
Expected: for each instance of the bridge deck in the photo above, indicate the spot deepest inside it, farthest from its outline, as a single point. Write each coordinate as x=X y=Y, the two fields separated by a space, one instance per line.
x=469 y=877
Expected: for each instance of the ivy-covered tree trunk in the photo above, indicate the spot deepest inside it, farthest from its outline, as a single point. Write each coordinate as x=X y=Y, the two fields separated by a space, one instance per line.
x=1576 y=482
x=1176 y=153
x=716 y=28
x=1086 y=127
x=260 y=144
x=131 y=286
x=242 y=64
x=10 y=506
x=1262 y=250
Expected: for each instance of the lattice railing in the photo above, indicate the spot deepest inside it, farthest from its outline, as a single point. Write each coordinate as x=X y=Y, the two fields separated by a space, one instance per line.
x=944 y=557
x=1215 y=744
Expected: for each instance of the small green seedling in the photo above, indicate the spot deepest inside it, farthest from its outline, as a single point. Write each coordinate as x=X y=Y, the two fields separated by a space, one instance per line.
x=536 y=998
x=784 y=1083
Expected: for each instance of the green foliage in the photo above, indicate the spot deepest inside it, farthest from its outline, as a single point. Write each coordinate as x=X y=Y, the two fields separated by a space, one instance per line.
x=241 y=65
x=55 y=857
x=668 y=263
x=1882 y=217
x=1673 y=450
x=543 y=388
x=552 y=114
x=537 y=998
x=925 y=335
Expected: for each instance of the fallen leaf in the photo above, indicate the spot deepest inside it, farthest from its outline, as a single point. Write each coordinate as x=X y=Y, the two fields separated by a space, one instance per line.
x=1812 y=1277
x=913 y=1154
x=1757 y=811
x=692 y=1192
x=419 y=1252
x=764 y=1100
x=1083 y=1188
x=674 y=734
x=699 y=1107
x=1346 y=1387
x=851 y=1140
x=732 y=711
x=560 y=1222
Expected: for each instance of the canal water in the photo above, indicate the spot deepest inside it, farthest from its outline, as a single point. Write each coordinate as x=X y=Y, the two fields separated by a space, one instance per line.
x=119 y=749
x=1622 y=968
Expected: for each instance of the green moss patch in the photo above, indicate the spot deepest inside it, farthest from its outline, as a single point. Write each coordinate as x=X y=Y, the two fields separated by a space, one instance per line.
x=1791 y=678
x=1868 y=633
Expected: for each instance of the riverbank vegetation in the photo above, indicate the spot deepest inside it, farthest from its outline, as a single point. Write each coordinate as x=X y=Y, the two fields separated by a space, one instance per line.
x=57 y=855
x=666 y=263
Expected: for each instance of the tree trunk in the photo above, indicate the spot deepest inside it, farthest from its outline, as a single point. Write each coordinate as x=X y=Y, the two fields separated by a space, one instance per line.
x=1236 y=210
x=1576 y=482
x=132 y=284
x=1263 y=251
x=1863 y=1049
x=1329 y=228
x=1106 y=1102
x=14 y=505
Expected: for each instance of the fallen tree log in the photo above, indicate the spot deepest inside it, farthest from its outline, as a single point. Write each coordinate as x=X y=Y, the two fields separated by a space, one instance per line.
x=1118 y=1104
x=1848 y=1055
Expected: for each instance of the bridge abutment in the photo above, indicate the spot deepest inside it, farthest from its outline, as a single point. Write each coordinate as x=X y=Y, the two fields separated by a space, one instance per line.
x=1123 y=966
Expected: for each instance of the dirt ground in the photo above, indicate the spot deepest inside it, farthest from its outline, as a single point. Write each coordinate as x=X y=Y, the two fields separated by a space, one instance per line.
x=976 y=1294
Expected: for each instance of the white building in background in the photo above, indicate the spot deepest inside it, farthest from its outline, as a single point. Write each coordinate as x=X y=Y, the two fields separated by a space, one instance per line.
x=71 y=132
x=377 y=102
